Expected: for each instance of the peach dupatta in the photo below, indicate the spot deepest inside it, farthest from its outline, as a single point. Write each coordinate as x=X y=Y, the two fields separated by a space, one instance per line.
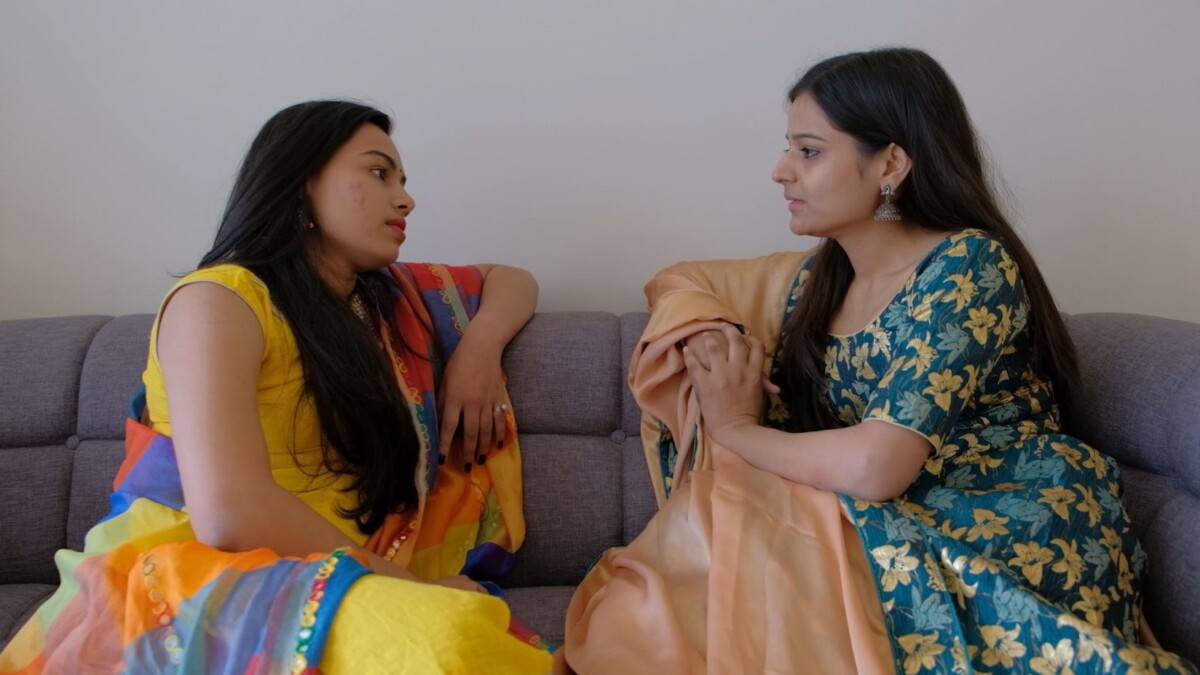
x=740 y=571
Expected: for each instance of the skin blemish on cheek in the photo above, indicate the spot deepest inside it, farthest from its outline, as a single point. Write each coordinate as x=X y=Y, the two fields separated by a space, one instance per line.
x=354 y=190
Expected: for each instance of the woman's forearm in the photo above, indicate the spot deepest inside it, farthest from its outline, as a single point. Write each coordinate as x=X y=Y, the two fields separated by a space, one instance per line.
x=274 y=518
x=865 y=461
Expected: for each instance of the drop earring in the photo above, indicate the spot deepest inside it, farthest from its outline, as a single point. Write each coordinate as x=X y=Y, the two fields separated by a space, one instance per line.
x=887 y=210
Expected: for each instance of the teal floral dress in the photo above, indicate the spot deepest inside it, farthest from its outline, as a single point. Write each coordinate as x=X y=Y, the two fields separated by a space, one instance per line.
x=1011 y=552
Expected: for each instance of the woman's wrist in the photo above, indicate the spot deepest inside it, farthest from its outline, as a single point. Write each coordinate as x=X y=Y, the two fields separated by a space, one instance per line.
x=484 y=333
x=733 y=433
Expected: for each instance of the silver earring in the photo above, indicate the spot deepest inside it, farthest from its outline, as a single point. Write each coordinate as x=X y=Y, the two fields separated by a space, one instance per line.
x=887 y=210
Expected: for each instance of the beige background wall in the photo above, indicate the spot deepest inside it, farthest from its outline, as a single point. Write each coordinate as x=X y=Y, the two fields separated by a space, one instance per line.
x=592 y=142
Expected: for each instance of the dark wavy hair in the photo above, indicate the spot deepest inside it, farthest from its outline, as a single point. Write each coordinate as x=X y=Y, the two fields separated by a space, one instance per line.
x=903 y=96
x=367 y=431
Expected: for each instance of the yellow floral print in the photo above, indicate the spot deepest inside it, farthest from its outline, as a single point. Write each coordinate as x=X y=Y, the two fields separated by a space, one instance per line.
x=896 y=565
x=922 y=356
x=1055 y=660
x=921 y=652
x=1093 y=603
x=1059 y=498
x=941 y=386
x=1071 y=564
x=1002 y=646
x=981 y=323
x=1031 y=558
x=1093 y=640
x=987 y=525
x=963 y=289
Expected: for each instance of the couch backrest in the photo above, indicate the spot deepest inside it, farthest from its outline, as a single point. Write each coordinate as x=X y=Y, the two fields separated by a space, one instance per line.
x=1140 y=403
x=65 y=385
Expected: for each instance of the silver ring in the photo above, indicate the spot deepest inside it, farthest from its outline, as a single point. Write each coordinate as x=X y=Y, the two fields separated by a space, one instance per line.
x=503 y=407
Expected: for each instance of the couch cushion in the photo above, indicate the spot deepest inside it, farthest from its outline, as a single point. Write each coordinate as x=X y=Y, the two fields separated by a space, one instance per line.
x=39 y=390
x=112 y=372
x=542 y=608
x=1141 y=392
x=573 y=508
x=95 y=466
x=34 y=489
x=640 y=504
x=18 y=602
x=1172 y=596
x=1145 y=494
x=564 y=373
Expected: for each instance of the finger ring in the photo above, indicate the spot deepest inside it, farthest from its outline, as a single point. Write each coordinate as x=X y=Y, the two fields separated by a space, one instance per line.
x=503 y=407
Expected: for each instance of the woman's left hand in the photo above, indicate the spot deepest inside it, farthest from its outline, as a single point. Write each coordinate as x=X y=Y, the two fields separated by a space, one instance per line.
x=472 y=396
x=730 y=389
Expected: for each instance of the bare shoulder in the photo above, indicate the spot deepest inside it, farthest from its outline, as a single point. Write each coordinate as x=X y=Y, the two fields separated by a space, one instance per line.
x=204 y=319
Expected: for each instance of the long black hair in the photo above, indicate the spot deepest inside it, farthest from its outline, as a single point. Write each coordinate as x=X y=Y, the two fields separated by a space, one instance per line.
x=903 y=96
x=367 y=431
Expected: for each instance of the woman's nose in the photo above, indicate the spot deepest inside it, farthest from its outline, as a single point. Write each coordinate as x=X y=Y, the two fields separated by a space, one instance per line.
x=404 y=200
x=782 y=173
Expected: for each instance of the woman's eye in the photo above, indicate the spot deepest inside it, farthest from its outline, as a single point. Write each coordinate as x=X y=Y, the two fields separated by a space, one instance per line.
x=809 y=153
x=380 y=172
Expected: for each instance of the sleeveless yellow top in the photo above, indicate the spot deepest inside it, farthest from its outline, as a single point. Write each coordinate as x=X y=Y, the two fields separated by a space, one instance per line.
x=290 y=424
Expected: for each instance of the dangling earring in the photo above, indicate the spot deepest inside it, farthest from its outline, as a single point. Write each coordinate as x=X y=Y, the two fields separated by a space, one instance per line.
x=887 y=210
x=305 y=222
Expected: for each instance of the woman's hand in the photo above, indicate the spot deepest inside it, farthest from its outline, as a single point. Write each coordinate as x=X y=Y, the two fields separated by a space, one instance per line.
x=728 y=379
x=472 y=389
x=701 y=355
x=472 y=396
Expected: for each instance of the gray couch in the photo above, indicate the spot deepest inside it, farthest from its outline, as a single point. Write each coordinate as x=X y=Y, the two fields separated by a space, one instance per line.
x=65 y=384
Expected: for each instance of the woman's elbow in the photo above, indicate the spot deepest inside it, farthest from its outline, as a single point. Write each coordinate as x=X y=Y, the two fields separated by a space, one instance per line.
x=224 y=529
x=885 y=480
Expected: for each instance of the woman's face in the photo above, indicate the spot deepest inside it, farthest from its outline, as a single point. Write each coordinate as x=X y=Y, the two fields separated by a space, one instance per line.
x=827 y=181
x=359 y=204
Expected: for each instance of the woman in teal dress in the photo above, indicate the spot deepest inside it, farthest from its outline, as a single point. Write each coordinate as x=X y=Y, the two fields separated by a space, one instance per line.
x=908 y=384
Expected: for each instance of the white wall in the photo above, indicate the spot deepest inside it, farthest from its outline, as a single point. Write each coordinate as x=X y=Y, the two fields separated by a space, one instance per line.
x=591 y=142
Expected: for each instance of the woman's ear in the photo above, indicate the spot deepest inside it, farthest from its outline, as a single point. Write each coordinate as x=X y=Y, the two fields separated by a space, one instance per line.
x=897 y=165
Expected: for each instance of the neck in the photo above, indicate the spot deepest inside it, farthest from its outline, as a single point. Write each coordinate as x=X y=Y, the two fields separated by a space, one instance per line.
x=879 y=250
x=340 y=277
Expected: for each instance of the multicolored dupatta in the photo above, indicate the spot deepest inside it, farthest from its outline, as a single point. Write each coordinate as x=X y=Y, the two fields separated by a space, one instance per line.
x=145 y=596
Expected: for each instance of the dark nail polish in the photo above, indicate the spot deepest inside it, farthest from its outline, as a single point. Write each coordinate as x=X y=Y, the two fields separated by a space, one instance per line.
x=441 y=459
x=482 y=460
x=467 y=467
x=499 y=445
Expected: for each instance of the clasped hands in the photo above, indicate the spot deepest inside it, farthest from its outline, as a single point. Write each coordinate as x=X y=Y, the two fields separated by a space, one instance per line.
x=726 y=369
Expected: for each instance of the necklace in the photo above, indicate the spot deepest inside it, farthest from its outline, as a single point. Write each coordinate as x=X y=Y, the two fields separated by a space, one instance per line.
x=360 y=308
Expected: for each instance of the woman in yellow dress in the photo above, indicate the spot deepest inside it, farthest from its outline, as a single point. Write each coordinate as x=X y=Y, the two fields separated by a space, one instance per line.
x=324 y=464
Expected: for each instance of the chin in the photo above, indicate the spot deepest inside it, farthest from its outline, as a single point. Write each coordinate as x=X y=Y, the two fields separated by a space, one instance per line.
x=803 y=230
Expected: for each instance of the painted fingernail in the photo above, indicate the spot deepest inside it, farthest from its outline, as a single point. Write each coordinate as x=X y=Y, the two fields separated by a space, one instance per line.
x=482 y=460
x=467 y=467
x=441 y=459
